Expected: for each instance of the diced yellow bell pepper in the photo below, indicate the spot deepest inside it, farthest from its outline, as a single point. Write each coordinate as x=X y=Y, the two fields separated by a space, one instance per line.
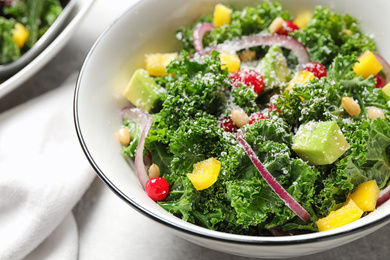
x=231 y=61
x=205 y=173
x=156 y=63
x=20 y=35
x=222 y=15
x=303 y=19
x=368 y=65
x=344 y=215
x=302 y=77
x=366 y=195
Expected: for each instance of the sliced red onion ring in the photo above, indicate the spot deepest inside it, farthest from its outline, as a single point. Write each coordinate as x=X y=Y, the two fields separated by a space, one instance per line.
x=385 y=65
x=276 y=187
x=144 y=122
x=198 y=34
x=265 y=40
x=384 y=196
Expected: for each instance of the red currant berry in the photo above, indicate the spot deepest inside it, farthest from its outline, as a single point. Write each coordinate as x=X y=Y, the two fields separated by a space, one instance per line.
x=248 y=77
x=273 y=107
x=227 y=124
x=316 y=68
x=157 y=188
x=380 y=81
x=287 y=28
x=256 y=117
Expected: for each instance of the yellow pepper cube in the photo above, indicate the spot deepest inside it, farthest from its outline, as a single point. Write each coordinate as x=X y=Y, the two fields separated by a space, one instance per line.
x=205 y=173
x=231 y=61
x=303 y=19
x=366 y=195
x=20 y=35
x=157 y=63
x=222 y=15
x=302 y=77
x=344 y=215
x=368 y=65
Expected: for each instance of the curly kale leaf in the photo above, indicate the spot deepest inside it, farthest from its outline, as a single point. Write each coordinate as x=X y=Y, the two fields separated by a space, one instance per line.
x=198 y=86
x=250 y=20
x=9 y=51
x=329 y=34
x=245 y=97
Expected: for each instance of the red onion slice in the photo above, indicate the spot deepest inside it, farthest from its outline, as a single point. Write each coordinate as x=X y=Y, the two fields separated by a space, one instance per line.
x=385 y=65
x=144 y=122
x=276 y=187
x=265 y=40
x=198 y=34
x=384 y=196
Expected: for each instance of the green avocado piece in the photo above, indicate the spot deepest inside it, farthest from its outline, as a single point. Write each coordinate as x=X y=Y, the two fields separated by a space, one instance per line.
x=320 y=143
x=142 y=91
x=273 y=68
x=386 y=91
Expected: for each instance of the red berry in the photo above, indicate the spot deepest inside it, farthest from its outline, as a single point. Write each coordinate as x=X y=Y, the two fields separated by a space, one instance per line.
x=248 y=77
x=157 y=188
x=273 y=107
x=227 y=124
x=316 y=68
x=380 y=81
x=256 y=117
x=287 y=28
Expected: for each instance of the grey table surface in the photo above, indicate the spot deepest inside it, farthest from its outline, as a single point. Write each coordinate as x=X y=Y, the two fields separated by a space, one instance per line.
x=111 y=229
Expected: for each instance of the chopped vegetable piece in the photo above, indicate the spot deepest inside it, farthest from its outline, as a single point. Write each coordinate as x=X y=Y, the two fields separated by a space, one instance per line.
x=366 y=195
x=368 y=65
x=156 y=63
x=205 y=173
x=222 y=15
x=273 y=67
x=20 y=35
x=198 y=34
x=157 y=188
x=256 y=117
x=302 y=78
x=303 y=19
x=386 y=91
x=143 y=91
x=320 y=143
x=384 y=195
x=230 y=61
x=344 y=215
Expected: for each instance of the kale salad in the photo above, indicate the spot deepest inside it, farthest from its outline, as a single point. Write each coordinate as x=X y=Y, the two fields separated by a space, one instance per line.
x=22 y=23
x=264 y=123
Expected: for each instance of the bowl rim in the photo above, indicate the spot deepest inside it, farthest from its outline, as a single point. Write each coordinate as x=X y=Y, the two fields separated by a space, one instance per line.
x=203 y=232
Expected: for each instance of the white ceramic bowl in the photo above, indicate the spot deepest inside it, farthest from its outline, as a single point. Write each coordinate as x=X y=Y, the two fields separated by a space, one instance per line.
x=149 y=27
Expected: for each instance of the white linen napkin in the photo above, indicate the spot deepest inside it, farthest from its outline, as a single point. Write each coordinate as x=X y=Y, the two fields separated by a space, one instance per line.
x=43 y=174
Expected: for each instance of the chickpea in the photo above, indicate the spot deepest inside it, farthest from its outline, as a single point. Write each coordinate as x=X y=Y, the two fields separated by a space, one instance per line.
x=123 y=136
x=351 y=106
x=276 y=24
x=239 y=117
x=374 y=113
x=247 y=55
x=154 y=171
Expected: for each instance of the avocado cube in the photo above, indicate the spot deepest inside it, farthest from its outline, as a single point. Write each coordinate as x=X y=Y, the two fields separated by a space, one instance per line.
x=386 y=91
x=320 y=143
x=273 y=68
x=142 y=91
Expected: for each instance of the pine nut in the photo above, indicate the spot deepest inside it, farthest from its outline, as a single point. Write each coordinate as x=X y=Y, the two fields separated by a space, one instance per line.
x=374 y=113
x=239 y=117
x=154 y=171
x=276 y=24
x=247 y=55
x=123 y=136
x=351 y=106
